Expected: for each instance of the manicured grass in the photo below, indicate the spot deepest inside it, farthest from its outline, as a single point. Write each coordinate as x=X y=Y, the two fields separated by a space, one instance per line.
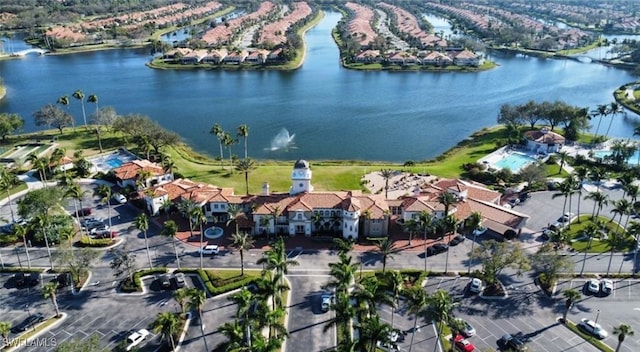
x=579 y=243
x=590 y=339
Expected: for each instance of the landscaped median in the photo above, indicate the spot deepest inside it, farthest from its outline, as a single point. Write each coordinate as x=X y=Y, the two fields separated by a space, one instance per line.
x=590 y=339
x=31 y=339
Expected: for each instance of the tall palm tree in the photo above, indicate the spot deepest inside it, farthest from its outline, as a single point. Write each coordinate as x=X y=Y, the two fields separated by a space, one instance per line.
x=234 y=211
x=78 y=94
x=187 y=207
x=396 y=283
x=344 y=314
x=241 y=242
x=591 y=231
x=197 y=216
x=386 y=174
x=571 y=295
x=142 y=223
x=197 y=299
x=181 y=296
x=49 y=292
x=447 y=199
x=235 y=334
x=418 y=303
x=104 y=193
x=276 y=258
x=615 y=240
x=166 y=324
x=386 y=248
x=41 y=222
x=22 y=231
x=566 y=189
x=243 y=131
x=55 y=158
x=597 y=174
x=623 y=330
x=245 y=166
x=474 y=223
x=7 y=181
x=217 y=131
x=343 y=274
x=371 y=331
x=580 y=173
x=169 y=230
x=621 y=207
x=92 y=98
x=602 y=111
x=599 y=199
x=75 y=192
x=412 y=226
x=441 y=306
x=614 y=110
x=228 y=142
x=40 y=164
x=244 y=299
x=64 y=100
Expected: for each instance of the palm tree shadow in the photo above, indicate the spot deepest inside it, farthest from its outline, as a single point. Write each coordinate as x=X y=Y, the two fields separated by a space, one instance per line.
x=369 y=258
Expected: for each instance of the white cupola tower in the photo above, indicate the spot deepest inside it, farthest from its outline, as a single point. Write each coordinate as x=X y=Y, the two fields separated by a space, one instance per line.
x=301 y=178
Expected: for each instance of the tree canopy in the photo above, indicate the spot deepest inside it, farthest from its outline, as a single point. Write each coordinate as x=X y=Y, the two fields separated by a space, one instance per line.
x=9 y=124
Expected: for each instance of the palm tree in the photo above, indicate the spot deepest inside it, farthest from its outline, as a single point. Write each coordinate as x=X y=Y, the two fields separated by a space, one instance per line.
x=93 y=99
x=243 y=131
x=602 y=110
x=591 y=231
x=22 y=231
x=235 y=334
x=599 y=199
x=344 y=314
x=142 y=177
x=41 y=221
x=8 y=180
x=197 y=216
x=56 y=157
x=418 y=302
x=49 y=292
x=78 y=94
x=447 y=199
x=571 y=295
x=386 y=174
x=623 y=330
x=580 y=173
x=5 y=329
x=64 y=100
x=241 y=242
x=169 y=230
x=217 y=131
x=475 y=221
x=563 y=156
x=187 y=207
x=386 y=248
x=197 y=299
x=276 y=258
x=40 y=164
x=343 y=246
x=142 y=223
x=371 y=331
x=166 y=324
x=621 y=207
x=228 y=142
x=396 y=282
x=234 y=211
x=614 y=110
x=343 y=274
x=245 y=166
x=615 y=240
x=441 y=306
x=412 y=226
x=181 y=295
x=104 y=192
x=566 y=189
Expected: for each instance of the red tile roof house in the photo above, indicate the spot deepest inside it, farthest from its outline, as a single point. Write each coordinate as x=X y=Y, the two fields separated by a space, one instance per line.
x=544 y=141
x=127 y=174
x=257 y=57
x=194 y=56
x=434 y=58
x=465 y=58
x=352 y=214
x=215 y=56
x=236 y=57
x=368 y=56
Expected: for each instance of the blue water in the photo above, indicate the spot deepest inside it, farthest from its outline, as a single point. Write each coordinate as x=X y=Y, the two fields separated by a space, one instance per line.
x=514 y=161
x=634 y=159
x=115 y=162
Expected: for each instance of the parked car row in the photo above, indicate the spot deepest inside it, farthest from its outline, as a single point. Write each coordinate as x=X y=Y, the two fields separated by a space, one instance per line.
x=178 y=279
x=595 y=286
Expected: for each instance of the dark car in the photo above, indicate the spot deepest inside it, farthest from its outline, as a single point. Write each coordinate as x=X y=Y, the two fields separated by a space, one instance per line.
x=63 y=279
x=19 y=279
x=511 y=343
x=456 y=240
x=34 y=279
x=165 y=282
x=83 y=212
x=437 y=249
x=27 y=323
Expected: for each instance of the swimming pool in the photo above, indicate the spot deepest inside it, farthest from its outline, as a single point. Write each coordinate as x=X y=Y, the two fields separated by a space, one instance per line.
x=106 y=162
x=514 y=161
x=114 y=162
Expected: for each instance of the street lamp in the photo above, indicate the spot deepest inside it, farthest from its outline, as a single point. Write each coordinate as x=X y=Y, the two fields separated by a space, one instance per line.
x=597 y=316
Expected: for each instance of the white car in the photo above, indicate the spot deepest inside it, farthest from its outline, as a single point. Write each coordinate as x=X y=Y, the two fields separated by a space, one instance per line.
x=593 y=285
x=476 y=285
x=607 y=286
x=119 y=198
x=101 y=229
x=136 y=338
x=210 y=249
x=325 y=302
x=590 y=327
x=468 y=330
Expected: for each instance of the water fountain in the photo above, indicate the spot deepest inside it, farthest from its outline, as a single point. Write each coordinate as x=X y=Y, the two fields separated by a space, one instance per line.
x=282 y=140
x=213 y=232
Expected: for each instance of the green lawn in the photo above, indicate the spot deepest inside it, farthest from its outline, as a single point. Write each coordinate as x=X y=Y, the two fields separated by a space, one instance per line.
x=579 y=243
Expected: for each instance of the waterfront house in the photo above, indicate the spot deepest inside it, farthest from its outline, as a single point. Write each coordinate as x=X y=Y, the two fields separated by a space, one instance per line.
x=543 y=141
x=193 y=57
x=257 y=57
x=215 y=56
x=402 y=58
x=434 y=58
x=368 y=56
x=128 y=173
x=235 y=58
x=465 y=58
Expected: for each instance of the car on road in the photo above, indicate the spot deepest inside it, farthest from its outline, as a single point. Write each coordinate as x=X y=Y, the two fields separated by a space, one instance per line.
x=29 y=322
x=437 y=249
x=34 y=279
x=99 y=229
x=19 y=279
x=136 y=338
x=91 y=223
x=210 y=249
x=119 y=198
x=606 y=286
x=592 y=328
x=104 y=234
x=456 y=240
x=509 y=342
x=462 y=344
x=325 y=302
x=593 y=285
x=475 y=285
x=180 y=280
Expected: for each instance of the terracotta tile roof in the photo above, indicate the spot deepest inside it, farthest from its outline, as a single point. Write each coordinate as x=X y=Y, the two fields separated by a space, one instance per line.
x=131 y=169
x=544 y=137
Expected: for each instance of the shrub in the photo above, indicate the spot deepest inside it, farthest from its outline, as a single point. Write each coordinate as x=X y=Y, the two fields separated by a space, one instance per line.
x=87 y=241
x=8 y=239
x=127 y=286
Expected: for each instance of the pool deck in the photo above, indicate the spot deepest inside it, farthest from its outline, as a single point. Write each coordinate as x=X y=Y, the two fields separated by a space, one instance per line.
x=101 y=162
x=492 y=159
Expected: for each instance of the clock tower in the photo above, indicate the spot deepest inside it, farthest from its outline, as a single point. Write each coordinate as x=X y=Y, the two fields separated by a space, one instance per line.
x=301 y=178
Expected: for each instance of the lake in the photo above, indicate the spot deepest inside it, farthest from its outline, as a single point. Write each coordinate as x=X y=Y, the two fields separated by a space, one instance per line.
x=329 y=112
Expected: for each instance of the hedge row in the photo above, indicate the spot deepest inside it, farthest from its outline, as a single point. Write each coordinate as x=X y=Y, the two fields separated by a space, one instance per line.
x=86 y=241
x=127 y=286
x=217 y=284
